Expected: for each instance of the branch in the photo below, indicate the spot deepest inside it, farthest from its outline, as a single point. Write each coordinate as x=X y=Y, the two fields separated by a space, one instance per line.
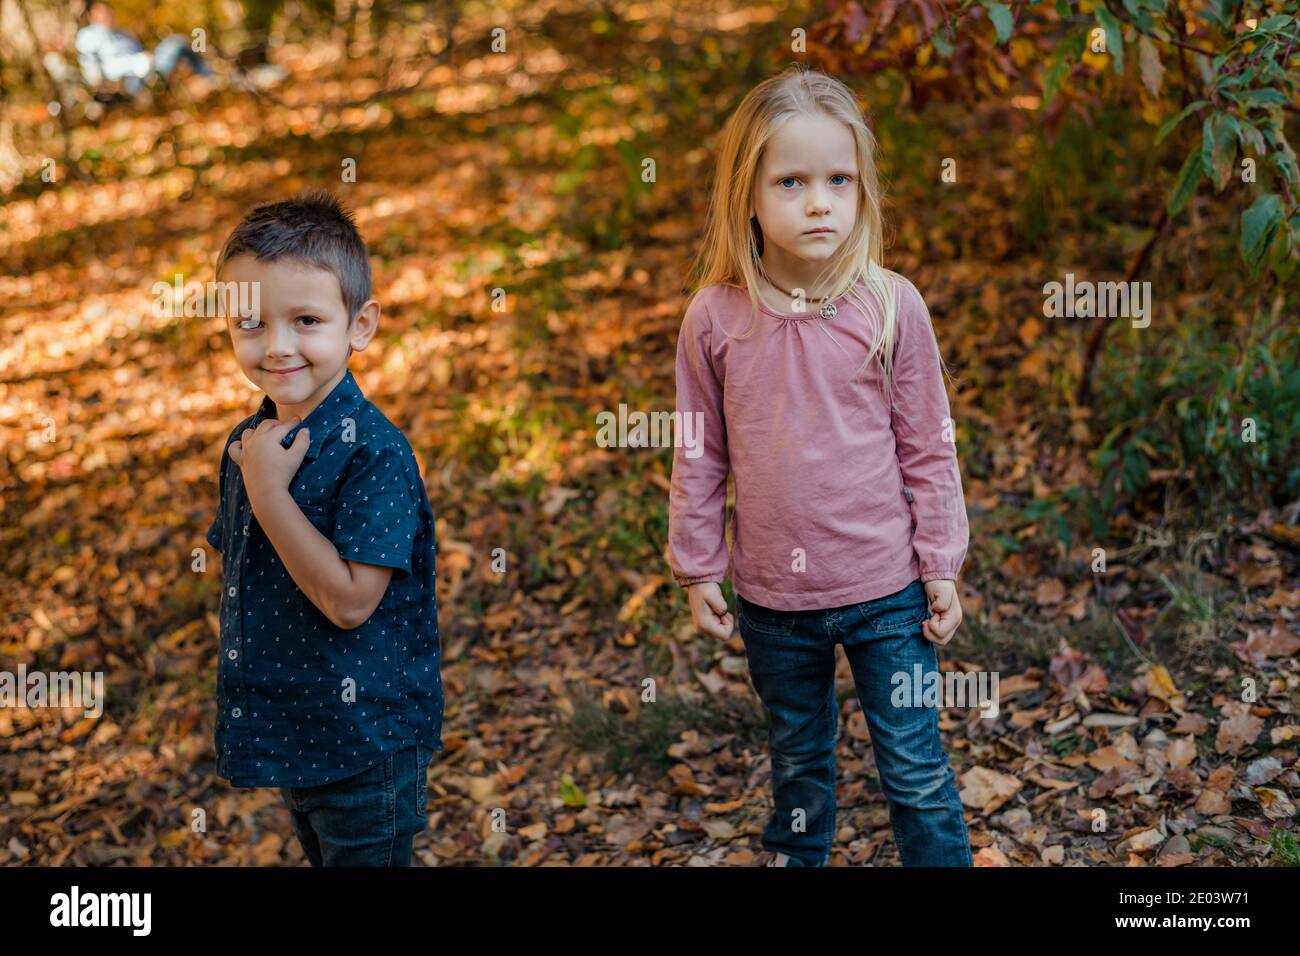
x=1101 y=323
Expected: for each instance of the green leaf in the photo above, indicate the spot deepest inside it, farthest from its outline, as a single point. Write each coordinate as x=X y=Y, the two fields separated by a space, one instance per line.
x=1153 y=70
x=1189 y=177
x=1000 y=14
x=941 y=43
x=1063 y=9
x=1168 y=126
x=1137 y=9
x=1221 y=17
x=1114 y=38
x=1218 y=147
x=1250 y=136
x=1264 y=97
x=1259 y=225
x=570 y=793
x=1056 y=71
x=1285 y=162
x=1069 y=49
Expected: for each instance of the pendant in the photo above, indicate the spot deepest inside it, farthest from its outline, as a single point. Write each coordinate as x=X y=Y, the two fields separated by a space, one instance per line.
x=829 y=311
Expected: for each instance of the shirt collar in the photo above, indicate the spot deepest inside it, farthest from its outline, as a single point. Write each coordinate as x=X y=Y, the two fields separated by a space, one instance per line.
x=340 y=403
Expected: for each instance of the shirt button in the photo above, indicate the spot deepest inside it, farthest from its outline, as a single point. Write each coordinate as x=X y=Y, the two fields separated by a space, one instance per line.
x=235 y=712
x=245 y=530
x=231 y=591
x=232 y=654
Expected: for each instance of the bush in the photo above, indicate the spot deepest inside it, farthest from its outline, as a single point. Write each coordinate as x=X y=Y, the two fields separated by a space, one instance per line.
x=1188 y=405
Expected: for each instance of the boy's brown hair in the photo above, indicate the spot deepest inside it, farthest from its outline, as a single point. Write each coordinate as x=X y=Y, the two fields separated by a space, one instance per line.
x=313 y=227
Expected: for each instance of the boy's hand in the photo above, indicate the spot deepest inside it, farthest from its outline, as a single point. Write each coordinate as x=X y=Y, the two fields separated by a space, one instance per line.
x=266 y=465
x=709 y=610
x=946 y=608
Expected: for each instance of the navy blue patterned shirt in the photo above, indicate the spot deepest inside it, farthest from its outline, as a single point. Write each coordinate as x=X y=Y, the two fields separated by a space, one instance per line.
x=301 y=701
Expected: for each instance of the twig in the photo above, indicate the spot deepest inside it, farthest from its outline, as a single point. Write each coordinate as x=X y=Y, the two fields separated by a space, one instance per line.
x=1101 y=323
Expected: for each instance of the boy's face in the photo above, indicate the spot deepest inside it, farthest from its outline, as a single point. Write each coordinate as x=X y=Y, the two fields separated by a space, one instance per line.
x=295 y=347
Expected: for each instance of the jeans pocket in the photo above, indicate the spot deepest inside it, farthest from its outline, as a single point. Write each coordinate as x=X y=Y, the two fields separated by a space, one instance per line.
x=765 y=620
x=362 y=780
x=900 y=611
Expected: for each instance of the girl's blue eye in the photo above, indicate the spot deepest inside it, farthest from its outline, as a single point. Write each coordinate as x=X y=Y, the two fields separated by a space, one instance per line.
x=840 y=176
x=788 y=179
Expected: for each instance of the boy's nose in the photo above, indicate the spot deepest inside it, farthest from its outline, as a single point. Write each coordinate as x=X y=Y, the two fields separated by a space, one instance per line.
x=279 y=342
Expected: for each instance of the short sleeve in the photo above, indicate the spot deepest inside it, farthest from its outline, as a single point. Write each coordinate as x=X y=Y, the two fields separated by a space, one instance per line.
x=214 y=532
x=375 y=517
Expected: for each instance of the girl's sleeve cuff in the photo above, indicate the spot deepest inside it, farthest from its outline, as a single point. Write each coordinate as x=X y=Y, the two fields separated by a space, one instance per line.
x=940 y=574
x=702 y=579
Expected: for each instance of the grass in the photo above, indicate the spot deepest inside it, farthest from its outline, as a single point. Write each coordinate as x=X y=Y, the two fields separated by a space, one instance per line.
x=641 y=743
x=1286 y=849
x=1197 y=614
x=1009 y=646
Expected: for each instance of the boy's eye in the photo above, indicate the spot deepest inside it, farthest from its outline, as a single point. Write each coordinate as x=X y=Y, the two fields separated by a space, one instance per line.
x=253 y=323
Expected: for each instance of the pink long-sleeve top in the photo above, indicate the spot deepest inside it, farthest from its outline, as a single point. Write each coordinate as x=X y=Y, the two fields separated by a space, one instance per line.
x=823 y=470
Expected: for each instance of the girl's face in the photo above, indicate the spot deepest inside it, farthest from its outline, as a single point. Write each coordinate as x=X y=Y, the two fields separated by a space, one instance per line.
x=806 y=191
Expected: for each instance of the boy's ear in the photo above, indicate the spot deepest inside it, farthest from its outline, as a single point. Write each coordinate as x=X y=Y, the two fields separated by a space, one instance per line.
x=363 y=325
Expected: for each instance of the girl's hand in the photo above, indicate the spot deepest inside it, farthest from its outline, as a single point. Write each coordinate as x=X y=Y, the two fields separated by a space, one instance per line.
x=709 y=610
x=946 y=609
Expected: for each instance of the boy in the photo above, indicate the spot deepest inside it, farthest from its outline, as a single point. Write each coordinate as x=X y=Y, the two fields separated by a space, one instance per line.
x=328 y=682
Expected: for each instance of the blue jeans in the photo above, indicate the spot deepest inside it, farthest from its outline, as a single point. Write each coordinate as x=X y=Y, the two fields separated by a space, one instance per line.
x=171 y=50
x=369 y=819
x=792 y=664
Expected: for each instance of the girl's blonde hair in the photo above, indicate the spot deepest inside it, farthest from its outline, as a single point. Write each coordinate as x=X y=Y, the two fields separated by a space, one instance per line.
x=730 y=253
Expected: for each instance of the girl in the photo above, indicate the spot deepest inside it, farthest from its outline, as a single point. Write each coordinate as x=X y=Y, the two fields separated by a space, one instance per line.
x=819 y=383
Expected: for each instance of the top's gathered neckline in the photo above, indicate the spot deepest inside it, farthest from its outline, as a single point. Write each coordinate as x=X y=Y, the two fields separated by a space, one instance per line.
x=812 y=312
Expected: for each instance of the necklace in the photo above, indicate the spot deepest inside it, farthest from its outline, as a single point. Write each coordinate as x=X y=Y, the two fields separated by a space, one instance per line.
x=827 y=311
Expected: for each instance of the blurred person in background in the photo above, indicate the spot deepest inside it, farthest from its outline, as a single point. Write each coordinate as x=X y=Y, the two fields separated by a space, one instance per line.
x=107 y=54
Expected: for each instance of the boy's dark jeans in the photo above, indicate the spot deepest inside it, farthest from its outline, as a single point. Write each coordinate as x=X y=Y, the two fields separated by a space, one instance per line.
x=369 y=819
x=792 y=664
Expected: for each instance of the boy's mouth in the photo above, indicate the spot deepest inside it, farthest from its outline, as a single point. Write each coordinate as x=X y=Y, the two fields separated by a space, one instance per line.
x=283 y=373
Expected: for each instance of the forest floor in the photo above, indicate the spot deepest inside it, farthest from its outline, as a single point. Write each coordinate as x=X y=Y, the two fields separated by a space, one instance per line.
x=1122 y=737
